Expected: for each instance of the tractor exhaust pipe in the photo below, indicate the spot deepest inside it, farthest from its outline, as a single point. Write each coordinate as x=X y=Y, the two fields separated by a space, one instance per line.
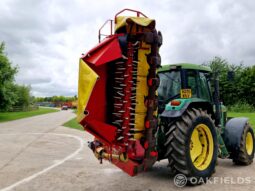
x=217 y=99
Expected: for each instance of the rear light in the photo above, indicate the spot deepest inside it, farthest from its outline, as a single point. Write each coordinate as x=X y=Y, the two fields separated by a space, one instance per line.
x=175 y=103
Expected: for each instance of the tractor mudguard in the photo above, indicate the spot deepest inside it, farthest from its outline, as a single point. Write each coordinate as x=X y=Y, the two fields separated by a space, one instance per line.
x=175 y=113
x=233 y=133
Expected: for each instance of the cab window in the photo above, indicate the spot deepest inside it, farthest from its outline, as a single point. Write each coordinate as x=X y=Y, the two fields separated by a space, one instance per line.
x=170 y=85
x=192 y=82
x=204 y=87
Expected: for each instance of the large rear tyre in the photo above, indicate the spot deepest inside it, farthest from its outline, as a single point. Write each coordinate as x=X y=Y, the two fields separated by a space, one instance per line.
x=192 y=146
x=246 y=150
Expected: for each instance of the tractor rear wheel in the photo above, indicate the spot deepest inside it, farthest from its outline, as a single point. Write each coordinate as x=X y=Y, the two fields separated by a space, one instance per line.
x=246 y=151
x=192 y=145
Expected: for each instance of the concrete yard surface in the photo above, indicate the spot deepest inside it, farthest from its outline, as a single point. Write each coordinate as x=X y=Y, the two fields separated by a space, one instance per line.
x=38 y=153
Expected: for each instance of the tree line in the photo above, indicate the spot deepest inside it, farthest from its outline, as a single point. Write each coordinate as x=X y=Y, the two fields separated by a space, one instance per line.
x=237 y=82
x=55 y=99
x=11 y=94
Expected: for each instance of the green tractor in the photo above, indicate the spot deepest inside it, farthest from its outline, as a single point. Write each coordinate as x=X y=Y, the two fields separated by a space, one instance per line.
x=194 y=130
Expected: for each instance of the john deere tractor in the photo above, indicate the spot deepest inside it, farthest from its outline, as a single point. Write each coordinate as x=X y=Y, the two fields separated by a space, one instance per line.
x=140 y=111
x=194 y=129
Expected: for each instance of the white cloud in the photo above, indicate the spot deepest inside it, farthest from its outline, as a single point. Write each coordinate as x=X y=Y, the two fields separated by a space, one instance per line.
x=46 y=38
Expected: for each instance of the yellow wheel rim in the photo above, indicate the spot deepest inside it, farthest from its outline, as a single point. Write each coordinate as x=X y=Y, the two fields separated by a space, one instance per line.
x=201 y=147
x=249 y=143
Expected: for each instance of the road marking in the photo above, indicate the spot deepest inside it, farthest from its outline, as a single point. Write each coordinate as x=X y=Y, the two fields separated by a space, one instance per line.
x=25 y=180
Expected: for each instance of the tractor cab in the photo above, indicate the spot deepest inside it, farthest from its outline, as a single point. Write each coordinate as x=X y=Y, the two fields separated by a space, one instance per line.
x=184 y=81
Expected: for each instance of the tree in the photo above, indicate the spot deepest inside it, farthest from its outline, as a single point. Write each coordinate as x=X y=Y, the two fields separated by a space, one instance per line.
x=240 y=89
x=246 y=85
x=7 y=73
x=23 y=96
x=218 y=64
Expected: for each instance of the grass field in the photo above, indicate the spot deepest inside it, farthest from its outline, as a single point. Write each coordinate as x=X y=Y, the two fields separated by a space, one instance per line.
x=251 y=117
x=9 y=116
x=73 y=124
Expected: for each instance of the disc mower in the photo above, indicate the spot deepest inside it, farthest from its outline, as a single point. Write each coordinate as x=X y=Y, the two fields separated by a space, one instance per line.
x=141 y=112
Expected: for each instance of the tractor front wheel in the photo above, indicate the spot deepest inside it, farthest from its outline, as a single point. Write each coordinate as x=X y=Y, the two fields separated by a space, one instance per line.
x=192 y=145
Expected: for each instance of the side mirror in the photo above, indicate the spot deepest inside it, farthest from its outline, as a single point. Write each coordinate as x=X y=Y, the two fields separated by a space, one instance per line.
x=231 y=75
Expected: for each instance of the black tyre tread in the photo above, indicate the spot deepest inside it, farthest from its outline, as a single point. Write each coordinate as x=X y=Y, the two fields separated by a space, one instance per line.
x=243 y=158
x=175 y=142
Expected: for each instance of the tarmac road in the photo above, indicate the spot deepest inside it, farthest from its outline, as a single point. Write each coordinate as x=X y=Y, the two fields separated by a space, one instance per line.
x=38 y=153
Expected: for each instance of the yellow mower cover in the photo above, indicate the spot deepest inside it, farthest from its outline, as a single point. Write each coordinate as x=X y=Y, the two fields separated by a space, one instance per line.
x=87 y=81
x=122 y=21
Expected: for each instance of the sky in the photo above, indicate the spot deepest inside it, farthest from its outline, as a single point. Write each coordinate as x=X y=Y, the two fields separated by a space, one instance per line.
x=45 y=38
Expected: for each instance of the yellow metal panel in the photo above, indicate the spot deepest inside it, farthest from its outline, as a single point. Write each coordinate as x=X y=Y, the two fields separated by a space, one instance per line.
x=142 y=92
x=143 y=66
x=87 y=81
x=141 y=21
x=141 y=89
x=138 y=136
x=142 y=72
x=139 y=121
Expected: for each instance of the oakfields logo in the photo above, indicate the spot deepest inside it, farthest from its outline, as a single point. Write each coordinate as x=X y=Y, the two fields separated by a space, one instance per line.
x=181 y=180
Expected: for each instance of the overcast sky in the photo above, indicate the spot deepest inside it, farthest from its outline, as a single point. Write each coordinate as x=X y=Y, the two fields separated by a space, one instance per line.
x=45 y=38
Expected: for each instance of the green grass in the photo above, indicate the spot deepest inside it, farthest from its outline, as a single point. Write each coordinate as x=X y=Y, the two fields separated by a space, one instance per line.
x=9 y=116
x=73 y=124
x=251 y=117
